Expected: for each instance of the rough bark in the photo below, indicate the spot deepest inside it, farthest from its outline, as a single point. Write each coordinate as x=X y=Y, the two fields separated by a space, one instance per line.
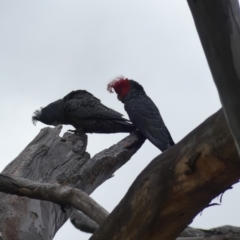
x=176 y=186
x=63 y=195
x=84 y=223
x=218 y=26
x=219 y=233
x=52 y=159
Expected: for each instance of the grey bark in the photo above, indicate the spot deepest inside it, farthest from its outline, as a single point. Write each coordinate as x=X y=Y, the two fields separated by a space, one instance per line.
x=83 y=222
x=219 y=233
x=60 y=194
x=55 y=160
x=218 y=26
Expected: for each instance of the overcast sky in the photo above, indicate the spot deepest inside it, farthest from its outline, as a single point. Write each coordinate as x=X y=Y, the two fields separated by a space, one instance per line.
x=49 y=48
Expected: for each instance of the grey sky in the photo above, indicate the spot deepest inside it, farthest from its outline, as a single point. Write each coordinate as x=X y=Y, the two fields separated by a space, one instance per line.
x=49 y=48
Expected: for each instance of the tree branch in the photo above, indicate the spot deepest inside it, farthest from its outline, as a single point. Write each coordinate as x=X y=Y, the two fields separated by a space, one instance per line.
x=52 y=159
x=219 y=233
x=218 y=26
x=83 y=222
x=101 y=167
x=64 y=195
x=55 y=193
x=176 y=186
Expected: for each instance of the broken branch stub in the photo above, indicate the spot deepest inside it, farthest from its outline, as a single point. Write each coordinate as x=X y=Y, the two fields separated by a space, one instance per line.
x=52 y=159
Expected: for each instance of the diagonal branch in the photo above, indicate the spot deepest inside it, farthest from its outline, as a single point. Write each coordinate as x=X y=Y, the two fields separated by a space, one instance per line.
x=55 y=193
x=103 y=165
x=176 y=185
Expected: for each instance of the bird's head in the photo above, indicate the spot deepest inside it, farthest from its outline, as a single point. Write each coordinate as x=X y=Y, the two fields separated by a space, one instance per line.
x=52 y=114
x=121 y=86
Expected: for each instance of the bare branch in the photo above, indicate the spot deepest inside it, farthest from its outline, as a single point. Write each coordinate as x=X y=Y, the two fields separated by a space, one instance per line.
x=218 y=26
x=102 y=166
x=83 y=222
x=52 y=159
x=55 y=193
x=219 y=233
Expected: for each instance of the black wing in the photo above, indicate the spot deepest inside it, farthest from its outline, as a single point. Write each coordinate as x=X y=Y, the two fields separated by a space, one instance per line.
x=86 y=112
x=83 y=104
x=146 y=117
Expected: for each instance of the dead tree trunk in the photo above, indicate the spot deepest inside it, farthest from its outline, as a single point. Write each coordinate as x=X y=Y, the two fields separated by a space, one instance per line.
x=162 y=201
x=176 y=186
x=52 y=159
x=218 y=26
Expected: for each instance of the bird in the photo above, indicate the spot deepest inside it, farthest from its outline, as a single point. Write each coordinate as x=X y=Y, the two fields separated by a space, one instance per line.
x=142 y=111
x=85 y=113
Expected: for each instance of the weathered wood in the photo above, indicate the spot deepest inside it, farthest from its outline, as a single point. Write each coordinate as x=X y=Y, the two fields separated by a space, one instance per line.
x=219 y=233
x=218 y=26
x=50 y=158
x=176 y=186
x=83 y=222
x=191 y=232
x=63 y=195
